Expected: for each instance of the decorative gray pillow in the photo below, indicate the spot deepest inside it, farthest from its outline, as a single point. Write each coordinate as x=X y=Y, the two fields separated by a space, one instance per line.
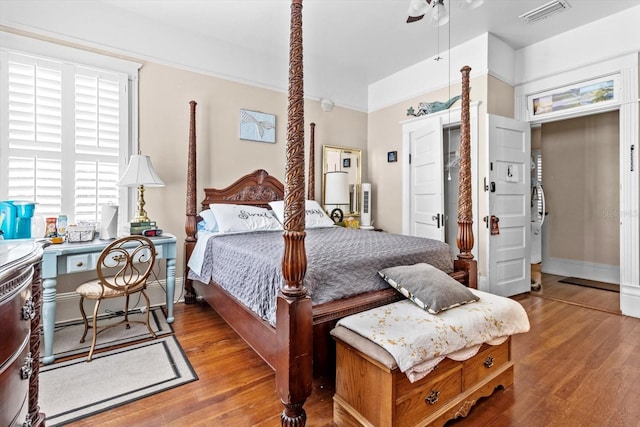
x=431 y=289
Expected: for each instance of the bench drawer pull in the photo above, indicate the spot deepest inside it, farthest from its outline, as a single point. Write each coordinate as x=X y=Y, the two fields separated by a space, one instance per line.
x=432 y=398
x=489 y=362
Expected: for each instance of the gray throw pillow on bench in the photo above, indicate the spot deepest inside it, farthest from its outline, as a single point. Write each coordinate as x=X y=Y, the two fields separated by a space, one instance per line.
x=431 y=289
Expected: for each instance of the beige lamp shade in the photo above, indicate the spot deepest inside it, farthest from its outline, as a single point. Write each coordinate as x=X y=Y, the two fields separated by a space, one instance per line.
x=140 y=171
x=336 y=190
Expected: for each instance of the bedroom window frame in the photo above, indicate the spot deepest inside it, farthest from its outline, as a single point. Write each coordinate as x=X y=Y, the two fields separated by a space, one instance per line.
x=72 y=62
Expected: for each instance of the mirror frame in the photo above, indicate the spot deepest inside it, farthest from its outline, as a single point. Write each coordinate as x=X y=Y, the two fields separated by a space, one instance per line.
x=355 y=168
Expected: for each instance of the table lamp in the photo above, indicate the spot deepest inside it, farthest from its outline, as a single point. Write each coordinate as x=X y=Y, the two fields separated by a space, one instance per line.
x=336 y=192
x=140 y=172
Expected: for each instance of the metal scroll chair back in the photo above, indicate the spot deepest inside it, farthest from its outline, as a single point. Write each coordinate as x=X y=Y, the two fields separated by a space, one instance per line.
x=123 y=269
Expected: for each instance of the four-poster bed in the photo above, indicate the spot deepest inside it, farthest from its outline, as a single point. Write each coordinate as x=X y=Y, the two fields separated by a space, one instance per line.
x=300 y=338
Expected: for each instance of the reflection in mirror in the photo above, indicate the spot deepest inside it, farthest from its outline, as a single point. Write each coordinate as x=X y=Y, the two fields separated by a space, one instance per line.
x=347 y=161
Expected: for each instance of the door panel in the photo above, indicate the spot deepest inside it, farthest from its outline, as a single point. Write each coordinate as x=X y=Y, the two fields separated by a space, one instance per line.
x=427 y=181
x=508 y=264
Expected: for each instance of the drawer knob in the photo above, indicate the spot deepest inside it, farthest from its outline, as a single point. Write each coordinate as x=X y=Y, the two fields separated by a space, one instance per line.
x=26 y=370
x=28 y=309
x=489 y=362
x=432 y=398
x=79 y=264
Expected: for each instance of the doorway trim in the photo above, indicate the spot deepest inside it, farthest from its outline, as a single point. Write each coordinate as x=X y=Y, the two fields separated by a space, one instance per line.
x=626 y=67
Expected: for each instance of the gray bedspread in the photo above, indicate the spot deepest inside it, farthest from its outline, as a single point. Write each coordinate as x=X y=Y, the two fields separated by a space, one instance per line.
x=340 y=262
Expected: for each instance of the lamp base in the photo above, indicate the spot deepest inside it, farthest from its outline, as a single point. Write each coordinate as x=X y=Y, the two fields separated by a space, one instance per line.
x=140 y=218
x=141 y=214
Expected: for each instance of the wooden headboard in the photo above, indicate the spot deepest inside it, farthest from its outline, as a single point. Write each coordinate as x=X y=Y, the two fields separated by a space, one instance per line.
x=256 y=189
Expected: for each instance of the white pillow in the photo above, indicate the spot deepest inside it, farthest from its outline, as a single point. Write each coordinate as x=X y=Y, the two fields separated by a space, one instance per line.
x=315 y=216
x=242 y=218
x=209 y=223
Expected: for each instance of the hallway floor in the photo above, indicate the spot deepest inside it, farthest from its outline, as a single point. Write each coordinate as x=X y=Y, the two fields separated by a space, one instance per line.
x=578 y=295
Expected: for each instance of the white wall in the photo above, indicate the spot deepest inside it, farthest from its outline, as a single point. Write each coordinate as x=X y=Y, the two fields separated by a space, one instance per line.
x=610 y=37
x=429 y=75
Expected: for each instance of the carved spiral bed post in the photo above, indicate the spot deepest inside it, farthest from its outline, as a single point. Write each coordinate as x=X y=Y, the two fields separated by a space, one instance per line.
x=191 y=221
x=311 y=181
x=294 y=331
x=464 y=238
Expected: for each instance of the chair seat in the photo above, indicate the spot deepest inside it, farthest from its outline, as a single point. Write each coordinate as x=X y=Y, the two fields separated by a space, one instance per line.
x=94 y=290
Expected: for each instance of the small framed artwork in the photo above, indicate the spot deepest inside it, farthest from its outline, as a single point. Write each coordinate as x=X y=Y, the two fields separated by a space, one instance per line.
x=583 y=96
x=346 y=163
x=257 y=126
x=392 y=156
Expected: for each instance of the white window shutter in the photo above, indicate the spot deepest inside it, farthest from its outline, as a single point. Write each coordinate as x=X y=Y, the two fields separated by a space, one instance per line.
x=66 y=126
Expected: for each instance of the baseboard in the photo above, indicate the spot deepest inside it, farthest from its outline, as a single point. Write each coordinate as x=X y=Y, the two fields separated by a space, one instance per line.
x=582 y=269
x=67 y=303
x=630 y=300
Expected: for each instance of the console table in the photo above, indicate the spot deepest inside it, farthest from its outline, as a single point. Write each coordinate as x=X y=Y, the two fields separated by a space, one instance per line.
x=67 y=258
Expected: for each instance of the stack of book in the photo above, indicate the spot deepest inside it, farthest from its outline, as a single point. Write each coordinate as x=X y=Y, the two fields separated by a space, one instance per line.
x=140 y=227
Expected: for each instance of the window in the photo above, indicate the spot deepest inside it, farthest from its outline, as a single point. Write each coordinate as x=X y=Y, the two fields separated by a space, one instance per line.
x=66 y=132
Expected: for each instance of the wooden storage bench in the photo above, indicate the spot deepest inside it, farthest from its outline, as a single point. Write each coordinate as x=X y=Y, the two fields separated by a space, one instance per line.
x=371 y=390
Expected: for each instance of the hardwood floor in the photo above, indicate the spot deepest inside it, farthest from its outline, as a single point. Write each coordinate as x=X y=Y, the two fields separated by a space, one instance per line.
x=575 y=367
x=572 y=294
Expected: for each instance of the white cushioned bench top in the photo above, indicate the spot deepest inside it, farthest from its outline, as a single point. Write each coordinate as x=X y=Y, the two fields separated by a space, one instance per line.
x=417 y=340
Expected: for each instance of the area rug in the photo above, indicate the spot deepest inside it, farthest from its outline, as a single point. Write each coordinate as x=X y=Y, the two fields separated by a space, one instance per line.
x=77 y=389
x=66 y=340
x=591 y=284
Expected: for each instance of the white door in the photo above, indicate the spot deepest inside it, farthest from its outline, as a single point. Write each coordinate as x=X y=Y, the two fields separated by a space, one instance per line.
x=427 y=181
x=508 y=189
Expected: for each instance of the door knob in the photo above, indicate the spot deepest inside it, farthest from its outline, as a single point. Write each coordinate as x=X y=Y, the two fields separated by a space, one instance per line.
x=436 y=218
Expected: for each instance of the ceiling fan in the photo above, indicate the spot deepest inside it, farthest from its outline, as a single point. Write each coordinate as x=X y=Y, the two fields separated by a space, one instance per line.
x=436 y=10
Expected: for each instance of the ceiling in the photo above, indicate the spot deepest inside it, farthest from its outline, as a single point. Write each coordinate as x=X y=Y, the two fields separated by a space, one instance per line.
x=357 y=41
x=370 y=36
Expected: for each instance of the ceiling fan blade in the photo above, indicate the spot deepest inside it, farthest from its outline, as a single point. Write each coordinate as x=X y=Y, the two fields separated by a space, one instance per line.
x=417 y=10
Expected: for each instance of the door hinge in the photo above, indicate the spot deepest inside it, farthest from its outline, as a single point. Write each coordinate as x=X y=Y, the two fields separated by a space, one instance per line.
x=409 y=158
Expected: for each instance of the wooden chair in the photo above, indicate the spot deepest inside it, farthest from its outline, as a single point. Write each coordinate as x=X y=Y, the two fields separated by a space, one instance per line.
x=123 y=269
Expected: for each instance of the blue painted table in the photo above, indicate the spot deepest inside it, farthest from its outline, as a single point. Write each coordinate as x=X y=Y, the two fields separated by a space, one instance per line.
x=67 y=258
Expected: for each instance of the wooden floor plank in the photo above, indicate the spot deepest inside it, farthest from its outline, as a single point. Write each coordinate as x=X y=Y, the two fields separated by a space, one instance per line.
x=576 y=367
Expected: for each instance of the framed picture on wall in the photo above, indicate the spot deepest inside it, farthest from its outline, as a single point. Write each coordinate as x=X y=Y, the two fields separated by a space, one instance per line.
x=392 y=156
x=587 y=95
x=346 y=163
x=257 y=126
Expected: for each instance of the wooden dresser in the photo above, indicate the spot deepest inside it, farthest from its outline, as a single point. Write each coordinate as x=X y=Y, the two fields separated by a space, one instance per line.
x=20 y=307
